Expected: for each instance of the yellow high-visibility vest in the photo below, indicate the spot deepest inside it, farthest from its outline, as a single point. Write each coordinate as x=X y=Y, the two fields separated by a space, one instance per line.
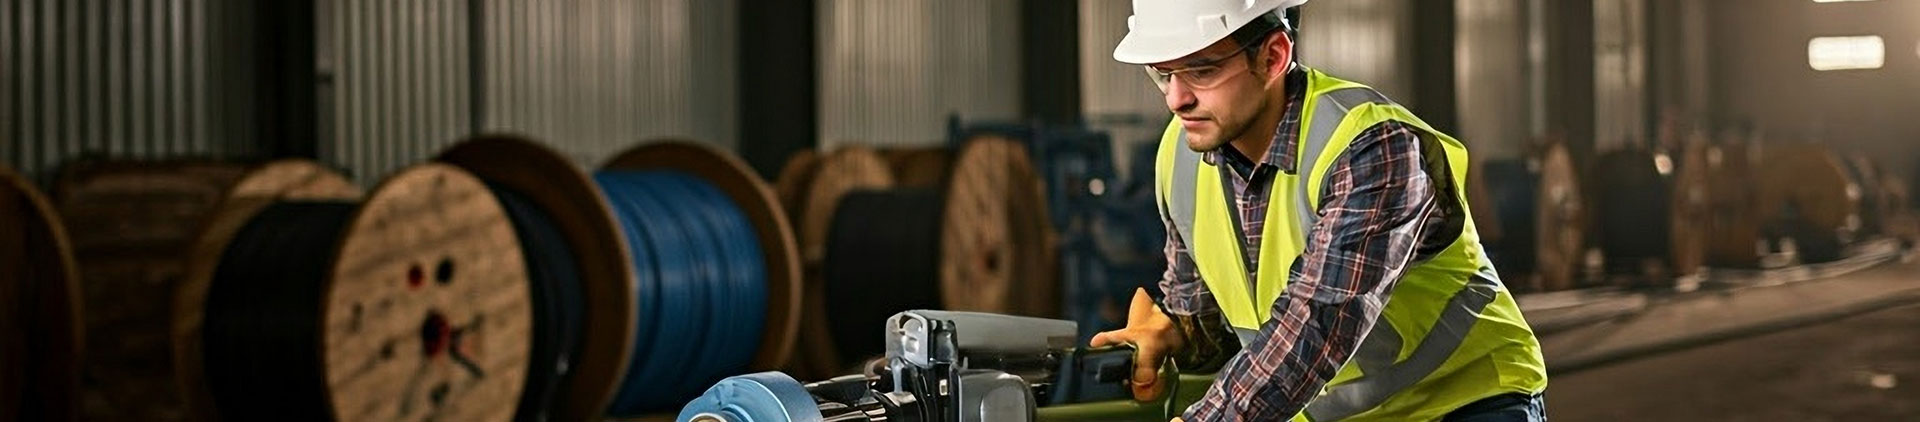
x=1450 y=333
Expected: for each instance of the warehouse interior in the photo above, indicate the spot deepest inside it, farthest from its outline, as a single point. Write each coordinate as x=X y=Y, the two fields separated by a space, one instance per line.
x=652 y=210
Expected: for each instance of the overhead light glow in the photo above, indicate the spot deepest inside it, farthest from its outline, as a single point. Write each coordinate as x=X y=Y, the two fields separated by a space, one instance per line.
x=1844 y=53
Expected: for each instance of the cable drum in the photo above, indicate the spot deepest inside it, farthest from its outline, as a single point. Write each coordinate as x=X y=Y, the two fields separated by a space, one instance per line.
x=137 y=217
x=1805 y=195
x=411 y=306
x=716 y=272
x=41 y=335
x=834 y=175
x=577 y=261
x=882 y=258
x=1639 y=218
x=997 y=244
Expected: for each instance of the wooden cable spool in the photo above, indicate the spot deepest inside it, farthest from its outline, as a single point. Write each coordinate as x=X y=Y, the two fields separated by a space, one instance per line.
x=138 y=218
x=1806 y=195
x=1733 y=226
x=772 y=227
x=1649 y=211
x=411 y=306
x=997 y=241
x=836 y=174
x=919 y=167
x=584 y=382
x=1540 y=212
x=1691 y=207
x=41 y=338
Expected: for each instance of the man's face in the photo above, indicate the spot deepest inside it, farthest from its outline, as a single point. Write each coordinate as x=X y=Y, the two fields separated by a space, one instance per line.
x=1216 y=93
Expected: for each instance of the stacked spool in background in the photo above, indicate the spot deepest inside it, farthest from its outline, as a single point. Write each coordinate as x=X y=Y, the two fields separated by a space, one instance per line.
x=40 y=330
x=1650 y=210
x=409 y=306
x=1533 y=218
x=133 y=222
x=984 y=232
x=1807 y=196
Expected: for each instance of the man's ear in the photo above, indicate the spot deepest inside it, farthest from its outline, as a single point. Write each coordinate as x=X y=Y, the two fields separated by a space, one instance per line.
x=1278 y=54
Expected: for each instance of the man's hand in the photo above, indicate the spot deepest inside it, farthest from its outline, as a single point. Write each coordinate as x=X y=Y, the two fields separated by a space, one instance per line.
x=1153 y=337
x=1177 y=419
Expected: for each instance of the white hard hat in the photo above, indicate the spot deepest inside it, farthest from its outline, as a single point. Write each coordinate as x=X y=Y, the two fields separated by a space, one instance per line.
x=1163 y=30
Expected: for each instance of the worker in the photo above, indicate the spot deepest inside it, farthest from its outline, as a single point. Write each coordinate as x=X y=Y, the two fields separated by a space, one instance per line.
x=1320 y=252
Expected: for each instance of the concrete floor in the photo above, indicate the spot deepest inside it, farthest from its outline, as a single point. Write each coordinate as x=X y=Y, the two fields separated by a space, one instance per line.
x=1864 y=368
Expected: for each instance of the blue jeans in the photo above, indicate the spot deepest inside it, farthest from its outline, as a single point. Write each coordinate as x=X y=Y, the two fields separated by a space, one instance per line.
x=1502 y=408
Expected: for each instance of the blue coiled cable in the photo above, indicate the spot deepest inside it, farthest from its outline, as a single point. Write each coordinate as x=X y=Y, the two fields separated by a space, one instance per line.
x=701 y=286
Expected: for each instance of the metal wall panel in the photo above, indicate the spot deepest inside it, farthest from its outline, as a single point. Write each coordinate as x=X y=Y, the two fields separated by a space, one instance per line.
x=400 y=82
x=1620 y=73
x=1366 y=41
x=124 y=78
x=1116 y=97
x=1494 y=77
x=893 y=71
x=595 y=77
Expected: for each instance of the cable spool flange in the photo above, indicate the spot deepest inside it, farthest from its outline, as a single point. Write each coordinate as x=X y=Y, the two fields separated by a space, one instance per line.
x=996 y=240
x=419 y=307
x=771 y=228
x=132 y=363
x=41 y=337
x=578 y=212
x=1733 y=225
x=1560 y=222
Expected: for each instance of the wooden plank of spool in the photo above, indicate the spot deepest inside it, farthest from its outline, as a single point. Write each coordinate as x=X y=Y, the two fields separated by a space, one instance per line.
x=771 y=224
x=1561 y=221
x=40 y=380
x=429 y=258
x=1733 y=227
x=919 y=167
x=846 y=169
x=996 y=240
x=1690 y=208
x=1805 y=195
x=583 y=216
x=128 y=318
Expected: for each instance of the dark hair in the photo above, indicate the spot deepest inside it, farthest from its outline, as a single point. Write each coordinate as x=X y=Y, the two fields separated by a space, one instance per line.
x=1256 y=31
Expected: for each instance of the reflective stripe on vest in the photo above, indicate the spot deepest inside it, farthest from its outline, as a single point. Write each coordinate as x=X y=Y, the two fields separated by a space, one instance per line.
x=1382 y=376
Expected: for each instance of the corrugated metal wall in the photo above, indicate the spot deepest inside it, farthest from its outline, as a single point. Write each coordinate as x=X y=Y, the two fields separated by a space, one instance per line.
x=1366 y=41
x=589 y=78
x=126 y=78
x=596 y=77
x=1494 y=77
x=1620 y=73
x=892 y=71
x=400 y=82
x=1116 y=97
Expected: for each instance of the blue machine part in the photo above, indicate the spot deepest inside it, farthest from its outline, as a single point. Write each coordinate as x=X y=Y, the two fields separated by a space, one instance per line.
x=756 y=397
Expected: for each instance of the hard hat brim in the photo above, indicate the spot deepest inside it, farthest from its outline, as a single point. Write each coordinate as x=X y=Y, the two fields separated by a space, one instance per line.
x=1143 y=49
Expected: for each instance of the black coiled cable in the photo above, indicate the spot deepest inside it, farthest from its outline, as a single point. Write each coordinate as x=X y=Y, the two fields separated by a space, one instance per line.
x=883 y=257
x=558 y=304
x=263 y=312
